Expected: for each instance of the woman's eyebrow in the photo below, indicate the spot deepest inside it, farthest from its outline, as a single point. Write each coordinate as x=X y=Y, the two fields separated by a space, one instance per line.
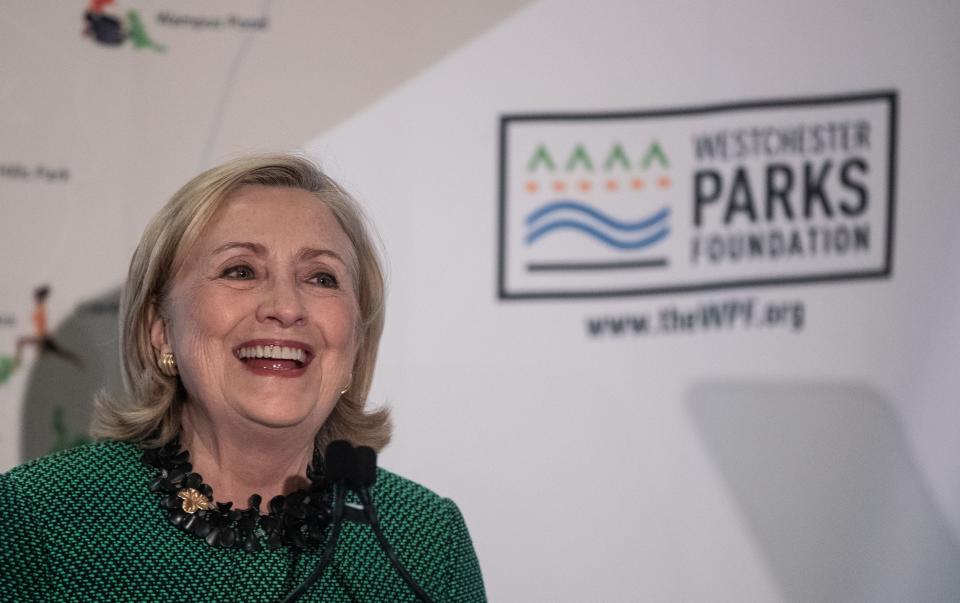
x=256 y=248
x=309 y=253
x=306 y=253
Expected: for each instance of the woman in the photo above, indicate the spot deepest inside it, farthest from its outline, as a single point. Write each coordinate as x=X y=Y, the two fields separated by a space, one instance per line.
x=250 y=323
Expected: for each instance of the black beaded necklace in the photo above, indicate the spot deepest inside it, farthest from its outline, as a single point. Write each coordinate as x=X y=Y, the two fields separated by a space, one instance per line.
x=296 y=520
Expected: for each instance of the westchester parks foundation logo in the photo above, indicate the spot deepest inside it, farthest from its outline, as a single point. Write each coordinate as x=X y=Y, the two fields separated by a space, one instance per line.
x=741 y=194
x=564 y=196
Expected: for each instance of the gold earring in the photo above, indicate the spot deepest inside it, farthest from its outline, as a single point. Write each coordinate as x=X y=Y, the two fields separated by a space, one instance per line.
x=346 y=388
x=167 y=364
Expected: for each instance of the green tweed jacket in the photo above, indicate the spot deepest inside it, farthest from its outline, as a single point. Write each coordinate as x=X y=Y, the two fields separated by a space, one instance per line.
x=81 y=525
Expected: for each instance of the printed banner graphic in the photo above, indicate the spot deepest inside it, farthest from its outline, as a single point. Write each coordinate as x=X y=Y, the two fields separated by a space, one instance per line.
x=744 y=194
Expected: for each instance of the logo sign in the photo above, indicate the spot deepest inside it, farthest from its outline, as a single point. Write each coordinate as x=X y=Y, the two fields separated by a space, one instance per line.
x=114 y=29
x=735 y=195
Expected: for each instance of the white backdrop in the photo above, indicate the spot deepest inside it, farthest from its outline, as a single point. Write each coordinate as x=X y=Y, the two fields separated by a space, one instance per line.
x=813 y=459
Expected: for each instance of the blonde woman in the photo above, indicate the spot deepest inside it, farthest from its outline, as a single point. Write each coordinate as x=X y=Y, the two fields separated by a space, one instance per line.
x=250 y=323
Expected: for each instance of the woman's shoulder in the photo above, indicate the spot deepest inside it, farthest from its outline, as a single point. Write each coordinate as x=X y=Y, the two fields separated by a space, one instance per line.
x=399 y=498
x=426 y=530
x=76 y=458
x=414 y=510
x=396 y=487
x=75 y=466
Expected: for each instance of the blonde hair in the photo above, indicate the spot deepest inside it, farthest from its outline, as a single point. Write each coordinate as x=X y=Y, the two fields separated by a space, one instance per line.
x=150 y=414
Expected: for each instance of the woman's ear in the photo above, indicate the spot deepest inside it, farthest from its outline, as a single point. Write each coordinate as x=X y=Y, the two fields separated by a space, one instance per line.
x=158 y=329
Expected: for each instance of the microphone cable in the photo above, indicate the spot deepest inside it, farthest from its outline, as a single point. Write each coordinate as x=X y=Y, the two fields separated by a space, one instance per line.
x=364 y=476
x=339 y=465
x=371 y=514
x=354 y=469
x=327 y=550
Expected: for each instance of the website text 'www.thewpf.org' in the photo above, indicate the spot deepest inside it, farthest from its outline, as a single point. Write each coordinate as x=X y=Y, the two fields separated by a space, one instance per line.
x=702 y=317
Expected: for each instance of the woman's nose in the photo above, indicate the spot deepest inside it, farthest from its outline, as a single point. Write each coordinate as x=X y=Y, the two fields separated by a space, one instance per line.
x=282 y=303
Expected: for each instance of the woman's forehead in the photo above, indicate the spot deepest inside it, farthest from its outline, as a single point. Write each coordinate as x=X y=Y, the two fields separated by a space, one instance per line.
x=278 y=218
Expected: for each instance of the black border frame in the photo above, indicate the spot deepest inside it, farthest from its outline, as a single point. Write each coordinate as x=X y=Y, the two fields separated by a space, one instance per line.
x=890 y=95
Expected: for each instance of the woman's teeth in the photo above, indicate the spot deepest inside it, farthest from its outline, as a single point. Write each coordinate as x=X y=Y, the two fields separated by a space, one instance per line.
x=271 y=351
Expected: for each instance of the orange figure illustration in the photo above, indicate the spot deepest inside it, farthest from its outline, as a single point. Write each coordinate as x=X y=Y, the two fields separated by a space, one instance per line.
x=41 y=338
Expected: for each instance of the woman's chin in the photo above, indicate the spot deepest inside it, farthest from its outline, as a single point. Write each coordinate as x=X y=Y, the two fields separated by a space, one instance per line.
x=284 y=417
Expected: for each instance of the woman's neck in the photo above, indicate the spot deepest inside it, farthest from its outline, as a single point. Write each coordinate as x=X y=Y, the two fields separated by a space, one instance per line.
x=240 y=460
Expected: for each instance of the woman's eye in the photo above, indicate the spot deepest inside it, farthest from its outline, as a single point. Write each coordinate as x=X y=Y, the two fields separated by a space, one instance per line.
x=324 y=279
x=240 y=273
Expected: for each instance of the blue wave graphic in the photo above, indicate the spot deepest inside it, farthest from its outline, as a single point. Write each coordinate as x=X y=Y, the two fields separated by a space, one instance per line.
x=596 y=214
x=599 y=231
x=601 y=236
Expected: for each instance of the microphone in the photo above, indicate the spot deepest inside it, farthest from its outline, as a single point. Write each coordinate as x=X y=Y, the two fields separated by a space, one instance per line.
x=338 y=461
x=364 y=467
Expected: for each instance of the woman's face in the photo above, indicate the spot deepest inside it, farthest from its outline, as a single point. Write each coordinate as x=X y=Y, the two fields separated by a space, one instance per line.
x=262 y=317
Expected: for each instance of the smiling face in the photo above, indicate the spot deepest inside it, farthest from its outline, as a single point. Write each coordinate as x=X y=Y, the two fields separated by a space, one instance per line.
x=262 y=316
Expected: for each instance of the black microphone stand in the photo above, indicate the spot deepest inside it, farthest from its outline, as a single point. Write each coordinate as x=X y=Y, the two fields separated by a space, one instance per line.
x=339 y=497
x=354 y=469
x=339 y=464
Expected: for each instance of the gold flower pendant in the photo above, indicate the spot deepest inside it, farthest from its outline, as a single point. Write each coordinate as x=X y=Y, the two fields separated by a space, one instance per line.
x=194 y=501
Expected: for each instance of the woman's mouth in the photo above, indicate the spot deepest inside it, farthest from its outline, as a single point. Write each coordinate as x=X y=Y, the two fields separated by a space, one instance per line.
x=286 y=359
